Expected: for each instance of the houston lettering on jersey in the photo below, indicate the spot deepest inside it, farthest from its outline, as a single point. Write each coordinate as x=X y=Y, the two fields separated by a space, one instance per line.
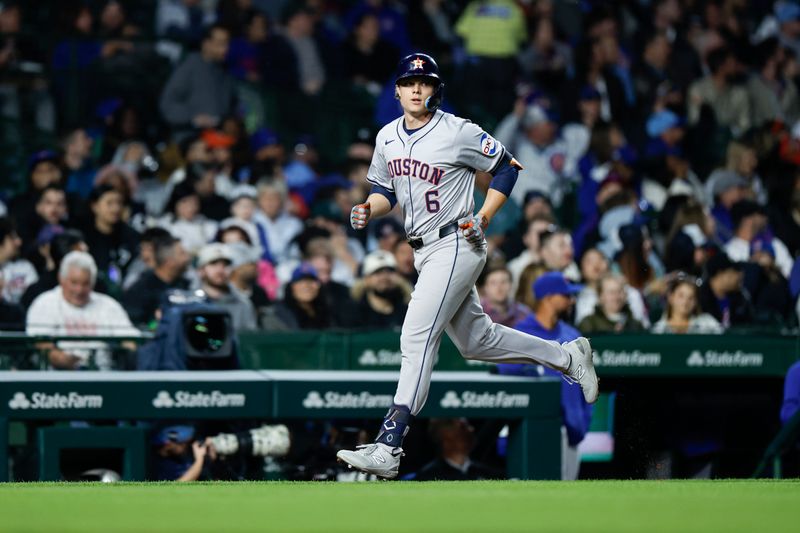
x=416 y=169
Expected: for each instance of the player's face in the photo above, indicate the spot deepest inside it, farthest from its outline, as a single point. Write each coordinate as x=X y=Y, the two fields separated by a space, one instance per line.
x=413 y=92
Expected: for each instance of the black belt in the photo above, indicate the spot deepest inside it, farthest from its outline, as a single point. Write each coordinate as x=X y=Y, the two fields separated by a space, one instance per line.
x=418 y=242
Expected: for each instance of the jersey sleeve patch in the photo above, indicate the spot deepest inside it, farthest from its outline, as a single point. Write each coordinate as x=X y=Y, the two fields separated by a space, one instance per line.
x=488 y=145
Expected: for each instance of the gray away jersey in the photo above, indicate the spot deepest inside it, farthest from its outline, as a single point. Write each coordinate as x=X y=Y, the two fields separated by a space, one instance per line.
x=432 y=171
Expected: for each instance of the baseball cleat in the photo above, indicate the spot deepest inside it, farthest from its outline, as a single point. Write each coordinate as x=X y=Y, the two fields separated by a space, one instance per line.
x=377 y=458
x=581 y=368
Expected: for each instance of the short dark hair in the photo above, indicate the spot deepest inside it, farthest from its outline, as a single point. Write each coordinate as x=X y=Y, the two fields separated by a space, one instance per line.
x=63 y=243
x=99 y=191
x=51 y=187
x=717 y=57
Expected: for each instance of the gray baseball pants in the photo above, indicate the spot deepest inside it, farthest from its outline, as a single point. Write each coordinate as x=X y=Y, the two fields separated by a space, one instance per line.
x=445 y=300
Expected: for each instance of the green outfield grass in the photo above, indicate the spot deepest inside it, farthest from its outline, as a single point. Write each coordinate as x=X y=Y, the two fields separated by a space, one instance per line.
x=497 y=506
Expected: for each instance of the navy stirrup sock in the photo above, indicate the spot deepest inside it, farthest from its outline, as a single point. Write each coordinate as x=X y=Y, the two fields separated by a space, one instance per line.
x=395 y=426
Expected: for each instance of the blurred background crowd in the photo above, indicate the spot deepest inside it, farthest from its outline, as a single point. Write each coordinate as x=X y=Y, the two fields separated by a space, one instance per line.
x=219 y=145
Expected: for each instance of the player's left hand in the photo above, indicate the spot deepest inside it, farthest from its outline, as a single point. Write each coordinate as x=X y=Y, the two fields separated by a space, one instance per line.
x=474 y=230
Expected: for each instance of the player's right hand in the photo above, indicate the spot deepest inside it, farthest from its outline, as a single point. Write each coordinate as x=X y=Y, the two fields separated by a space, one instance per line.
x=359 y=215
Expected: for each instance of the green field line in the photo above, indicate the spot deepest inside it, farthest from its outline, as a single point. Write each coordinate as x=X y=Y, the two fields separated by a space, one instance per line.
x=635 y=506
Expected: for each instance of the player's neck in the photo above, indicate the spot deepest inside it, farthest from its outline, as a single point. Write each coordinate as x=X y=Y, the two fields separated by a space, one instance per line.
x=414 y=122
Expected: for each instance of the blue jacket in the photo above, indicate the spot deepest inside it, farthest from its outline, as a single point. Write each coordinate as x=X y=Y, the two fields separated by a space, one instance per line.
x=577 y=414
x=791 y=393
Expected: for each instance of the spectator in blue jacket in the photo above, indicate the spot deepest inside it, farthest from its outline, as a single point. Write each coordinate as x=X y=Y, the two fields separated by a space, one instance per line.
x=555 y=296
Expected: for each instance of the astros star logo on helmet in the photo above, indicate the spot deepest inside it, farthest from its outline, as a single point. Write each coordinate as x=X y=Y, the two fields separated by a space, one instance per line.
x=418 y=63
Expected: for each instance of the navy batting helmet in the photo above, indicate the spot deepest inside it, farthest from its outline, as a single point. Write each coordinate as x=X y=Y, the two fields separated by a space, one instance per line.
x=422 y=65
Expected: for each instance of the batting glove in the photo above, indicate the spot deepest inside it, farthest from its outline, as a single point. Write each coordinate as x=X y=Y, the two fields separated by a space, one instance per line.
x=359 y=215
x=474 y=229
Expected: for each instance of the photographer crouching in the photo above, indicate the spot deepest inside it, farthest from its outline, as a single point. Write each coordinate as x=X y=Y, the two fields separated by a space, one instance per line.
x=179 y=456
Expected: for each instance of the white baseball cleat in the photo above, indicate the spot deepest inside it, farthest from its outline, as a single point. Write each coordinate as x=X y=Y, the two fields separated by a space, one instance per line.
x=376 y=458
x=581 y=368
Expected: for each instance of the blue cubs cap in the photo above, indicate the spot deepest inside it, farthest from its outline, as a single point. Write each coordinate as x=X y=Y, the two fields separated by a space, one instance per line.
x=263 y=137
x=660 y=122
x=40 y=156
x=304 y=271
x=762 y=245
x=589 y=93
x=551 y=283
x=173 y=434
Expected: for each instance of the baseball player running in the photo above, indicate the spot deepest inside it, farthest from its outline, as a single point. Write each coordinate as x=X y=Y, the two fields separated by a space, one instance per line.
x=426 y=160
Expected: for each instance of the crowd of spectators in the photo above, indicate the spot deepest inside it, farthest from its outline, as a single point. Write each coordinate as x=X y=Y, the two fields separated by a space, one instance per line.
x=660 y=140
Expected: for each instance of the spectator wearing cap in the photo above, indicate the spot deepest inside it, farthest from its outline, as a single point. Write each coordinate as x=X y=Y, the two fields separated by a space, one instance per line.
x=278 y=227
x=39 y=251
x=530 y=131
x=727 y=188
x=184 y=219
x=244 y=275
x=172 y=461
x=381 y=296
x=170 y=261
x=268 y=152
x=612 y=313
x=722 y=294
x=214 y=268
x=497 y=300
x=684 y=313
x=729 y=101
x=555 y=296
x=220 y=146
x=18 y=273
x=75 y=309
x=768 y=287
x=749 y=224
x=199 y=93
x=787 y=16
x=304 y=305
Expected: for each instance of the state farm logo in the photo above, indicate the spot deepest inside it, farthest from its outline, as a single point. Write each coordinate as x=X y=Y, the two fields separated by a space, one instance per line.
x=346 y=400
x=69 y=400
x=622 y=358
x=736 y=359
x=484 y=400
x=186 y=399
x=380 y=358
